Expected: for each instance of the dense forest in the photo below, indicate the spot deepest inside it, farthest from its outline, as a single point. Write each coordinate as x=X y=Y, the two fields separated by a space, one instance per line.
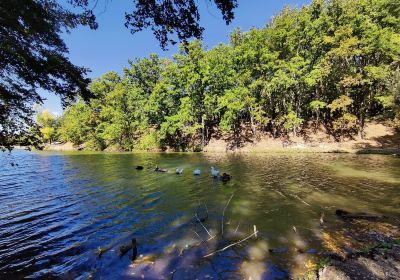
x=333 y=64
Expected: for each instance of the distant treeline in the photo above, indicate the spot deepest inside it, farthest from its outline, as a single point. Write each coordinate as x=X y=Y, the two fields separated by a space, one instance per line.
x=333 y=63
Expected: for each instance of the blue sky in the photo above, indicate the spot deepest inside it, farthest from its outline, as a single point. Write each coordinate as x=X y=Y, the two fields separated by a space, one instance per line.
x=111 y=45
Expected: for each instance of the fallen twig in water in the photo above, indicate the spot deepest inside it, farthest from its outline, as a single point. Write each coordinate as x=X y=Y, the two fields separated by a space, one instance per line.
x=196 y=233
x=233 y=244
x=296 y=196
x=204 y=241
x=281 y=194
x=269 y=211
x=223 y=215
x=197 y=217
x=205 y=205
x=196 y=245
x=237 y=227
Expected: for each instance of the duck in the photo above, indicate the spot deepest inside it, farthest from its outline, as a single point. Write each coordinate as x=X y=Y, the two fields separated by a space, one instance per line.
x=179 y=171
x=139 y=167
x=214 y=172
x=197 y=172
x=226 y=177
x=158 y=169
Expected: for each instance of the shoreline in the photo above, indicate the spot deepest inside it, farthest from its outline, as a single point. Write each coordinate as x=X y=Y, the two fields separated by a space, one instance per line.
x=379 y=139
x=247 y=150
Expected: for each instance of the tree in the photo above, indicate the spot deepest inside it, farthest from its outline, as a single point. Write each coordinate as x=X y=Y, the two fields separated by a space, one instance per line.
x=47 y=123
x=178 y=17
x=316 y=106
x=331 y=62
x=33 y=55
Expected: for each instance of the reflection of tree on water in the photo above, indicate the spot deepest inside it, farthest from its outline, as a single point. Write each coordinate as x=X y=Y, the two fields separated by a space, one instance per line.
x=258 y=178
x=103 y=201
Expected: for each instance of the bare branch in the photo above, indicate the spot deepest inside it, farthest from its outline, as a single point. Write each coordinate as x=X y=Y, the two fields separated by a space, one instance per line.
x=197 y=217
x=233 y=244
x=223 y=215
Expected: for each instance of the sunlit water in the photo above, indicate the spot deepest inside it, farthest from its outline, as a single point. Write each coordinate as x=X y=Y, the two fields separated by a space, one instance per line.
x=56 y=210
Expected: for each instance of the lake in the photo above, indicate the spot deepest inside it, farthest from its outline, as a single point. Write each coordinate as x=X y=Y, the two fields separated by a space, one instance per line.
x=58 y=209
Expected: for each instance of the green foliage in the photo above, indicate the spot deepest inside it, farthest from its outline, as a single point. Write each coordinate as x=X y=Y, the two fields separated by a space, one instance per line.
x=34 y=56
x=76 y=124
x=340 y=104
x=48 y=124
x=316 y=105
x=292 y=121
x=346 y=123
x=149 y=142
x=48 y=133
x=334 y=62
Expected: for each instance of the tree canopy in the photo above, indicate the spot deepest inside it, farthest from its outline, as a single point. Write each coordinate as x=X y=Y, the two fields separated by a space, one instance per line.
x=178 y=17
x=331 y=63
x=33 y=56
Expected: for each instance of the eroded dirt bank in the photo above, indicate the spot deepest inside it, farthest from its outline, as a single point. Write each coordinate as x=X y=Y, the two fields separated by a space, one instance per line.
x=378 y=139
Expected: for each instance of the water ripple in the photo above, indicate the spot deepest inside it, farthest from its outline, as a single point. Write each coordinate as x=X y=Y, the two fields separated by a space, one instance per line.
x=56 y=210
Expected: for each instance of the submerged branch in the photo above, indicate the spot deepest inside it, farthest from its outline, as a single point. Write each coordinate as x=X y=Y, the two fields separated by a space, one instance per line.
x=280 y=193
x=223 y=214
x=197 y=217
x=297 y=197
x=233 y=244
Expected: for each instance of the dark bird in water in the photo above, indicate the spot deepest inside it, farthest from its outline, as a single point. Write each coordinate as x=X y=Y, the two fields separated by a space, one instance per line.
x=226 y=177
x=139 y=167
x=158 y=169
x=125 y=248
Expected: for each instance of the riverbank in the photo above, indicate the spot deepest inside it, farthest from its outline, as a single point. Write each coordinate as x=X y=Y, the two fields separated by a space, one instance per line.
x=361 y=249
x=378 y=139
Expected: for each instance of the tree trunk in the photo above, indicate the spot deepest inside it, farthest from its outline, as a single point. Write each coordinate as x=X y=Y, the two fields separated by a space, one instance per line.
x=253 y=127
x=202 y=130
x=361 y=123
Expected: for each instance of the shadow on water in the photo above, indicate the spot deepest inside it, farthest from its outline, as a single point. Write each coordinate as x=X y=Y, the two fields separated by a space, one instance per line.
x=59 y=209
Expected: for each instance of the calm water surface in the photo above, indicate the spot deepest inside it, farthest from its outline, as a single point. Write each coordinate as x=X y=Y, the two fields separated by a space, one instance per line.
x=56 y=210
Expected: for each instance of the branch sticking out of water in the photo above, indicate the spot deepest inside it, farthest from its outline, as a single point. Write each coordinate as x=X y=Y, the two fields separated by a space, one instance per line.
x=197 y=217
x=237 y=227
x=296 y=196
x=223 y=215
x=198 y=244
x=205 y=205
x=196 y=233
x=280 y=193
x=233 y=244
